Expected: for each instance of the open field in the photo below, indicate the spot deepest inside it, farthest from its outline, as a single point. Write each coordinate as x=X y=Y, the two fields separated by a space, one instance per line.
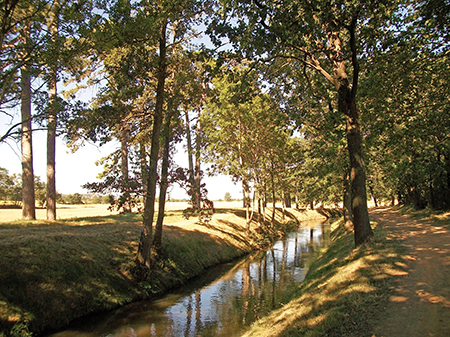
x=83 y=211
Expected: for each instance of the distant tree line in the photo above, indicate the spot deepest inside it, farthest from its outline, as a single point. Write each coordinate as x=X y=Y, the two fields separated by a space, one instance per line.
x=11 y=192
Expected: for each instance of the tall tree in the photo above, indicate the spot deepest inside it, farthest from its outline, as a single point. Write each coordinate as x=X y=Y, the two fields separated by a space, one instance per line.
x=144 y=250
x=28 y=195
x=323 y=37
x=52 y=114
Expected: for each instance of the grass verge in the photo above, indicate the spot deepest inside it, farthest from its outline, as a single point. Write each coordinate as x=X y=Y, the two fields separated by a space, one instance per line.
x=53 y=273
x=344 y=290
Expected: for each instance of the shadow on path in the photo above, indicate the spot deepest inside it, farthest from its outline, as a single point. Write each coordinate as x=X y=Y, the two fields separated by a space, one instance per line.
x=420 y=303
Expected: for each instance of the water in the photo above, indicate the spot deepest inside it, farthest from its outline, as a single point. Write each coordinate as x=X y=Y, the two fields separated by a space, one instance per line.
x=223 y=301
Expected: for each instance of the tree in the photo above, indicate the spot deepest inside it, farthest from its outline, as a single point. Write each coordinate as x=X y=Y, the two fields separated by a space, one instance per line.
x=227 y=197
x=28 y=196
x=246 y=133
x=6 y=184
x=52 y=116
x=409 y=146
x=323 y=37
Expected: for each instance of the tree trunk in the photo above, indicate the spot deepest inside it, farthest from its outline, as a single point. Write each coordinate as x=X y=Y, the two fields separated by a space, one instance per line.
x=361 y=224
x=124 y=168
x=272 y=221
x=288 y=200
x=190 y=152
x=28 y=196
x=157 y=240
x=143 y=256
x=347 y=202
x=144 y=169
x=197 y=177
x=372 y=193
x=52 y=119
x=51 y=144
x=347 y=107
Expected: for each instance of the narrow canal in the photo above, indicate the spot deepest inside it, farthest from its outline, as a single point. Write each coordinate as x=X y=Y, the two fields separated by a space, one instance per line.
x=224 y=300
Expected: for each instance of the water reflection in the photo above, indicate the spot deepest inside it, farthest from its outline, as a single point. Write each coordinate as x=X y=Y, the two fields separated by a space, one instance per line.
x=224 y=300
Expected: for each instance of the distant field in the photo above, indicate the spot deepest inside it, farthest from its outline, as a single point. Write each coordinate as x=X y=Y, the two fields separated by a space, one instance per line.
x=81 y=211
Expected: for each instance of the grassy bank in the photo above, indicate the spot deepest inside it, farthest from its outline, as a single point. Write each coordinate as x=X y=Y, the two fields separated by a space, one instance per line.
x=344 y=291
x=52 y=273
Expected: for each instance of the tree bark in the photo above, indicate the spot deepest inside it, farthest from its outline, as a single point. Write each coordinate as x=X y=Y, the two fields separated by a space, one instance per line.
x=143 y=256
x=361 y=223
x=272 y=221
x=52 y=118
x=28 y=194
x=347 y=202
x=197 y=177
x=51 y=147
x=157 y=240
x=347 y=107
x=144 y=169
x=190 y=152
x=124 y=167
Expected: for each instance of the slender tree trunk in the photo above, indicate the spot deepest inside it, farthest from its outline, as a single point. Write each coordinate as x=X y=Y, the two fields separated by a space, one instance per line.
x=143 y=256
x=52 y=118
x=124 y=167
x=190 y=152
x=447 y=169
x=144 y=169
x=273 y=197
x=288 y=200
x=157 y=240
x=51 y=147
x=197 y=177
x=28 y=195
x=246 y=201
x=372 y=193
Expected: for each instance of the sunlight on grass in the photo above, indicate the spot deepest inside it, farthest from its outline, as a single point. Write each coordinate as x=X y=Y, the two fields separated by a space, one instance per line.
x=342 y=291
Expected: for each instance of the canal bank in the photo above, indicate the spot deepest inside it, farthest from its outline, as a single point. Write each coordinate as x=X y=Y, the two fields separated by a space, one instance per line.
x=55 y=273
x=222 y=301
x=346 y=289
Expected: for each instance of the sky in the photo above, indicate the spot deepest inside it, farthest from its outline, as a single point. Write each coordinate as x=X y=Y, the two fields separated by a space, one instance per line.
x=76 y=169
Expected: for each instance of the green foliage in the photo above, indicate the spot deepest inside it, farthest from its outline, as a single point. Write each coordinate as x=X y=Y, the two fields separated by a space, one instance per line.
x=9 y=187
x=74 y=199
x=247 y=135
x=408 y=126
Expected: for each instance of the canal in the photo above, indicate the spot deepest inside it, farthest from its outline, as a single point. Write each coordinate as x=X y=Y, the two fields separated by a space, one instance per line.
x=223 y=301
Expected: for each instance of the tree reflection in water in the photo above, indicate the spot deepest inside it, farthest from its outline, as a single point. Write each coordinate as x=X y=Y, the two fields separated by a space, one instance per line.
x=224 y=300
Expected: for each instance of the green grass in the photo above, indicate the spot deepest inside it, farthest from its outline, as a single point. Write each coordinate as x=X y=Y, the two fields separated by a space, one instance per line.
x=343 y=292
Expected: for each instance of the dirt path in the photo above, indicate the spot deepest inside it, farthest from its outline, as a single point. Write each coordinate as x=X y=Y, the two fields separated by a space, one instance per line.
x=420 y=303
